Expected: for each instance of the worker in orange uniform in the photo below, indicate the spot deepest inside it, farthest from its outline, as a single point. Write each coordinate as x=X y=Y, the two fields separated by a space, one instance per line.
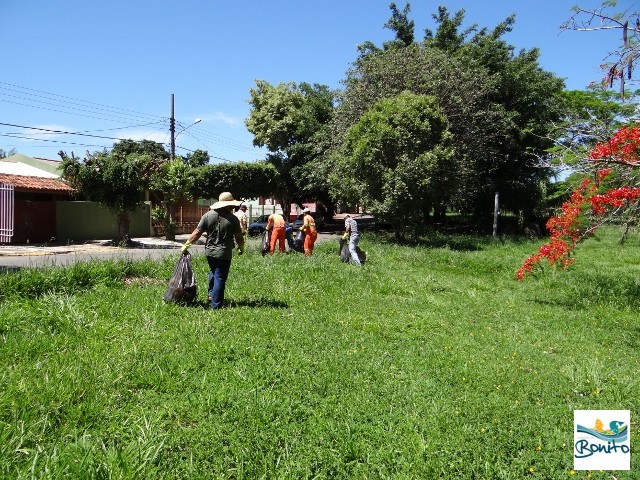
x=277 y=224
x=309 y=228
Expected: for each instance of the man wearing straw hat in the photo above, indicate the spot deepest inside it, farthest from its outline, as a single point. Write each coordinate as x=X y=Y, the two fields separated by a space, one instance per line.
x=222 y=228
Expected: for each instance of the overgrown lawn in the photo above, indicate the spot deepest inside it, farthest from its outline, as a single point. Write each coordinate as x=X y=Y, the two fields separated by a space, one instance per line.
x=432 y=361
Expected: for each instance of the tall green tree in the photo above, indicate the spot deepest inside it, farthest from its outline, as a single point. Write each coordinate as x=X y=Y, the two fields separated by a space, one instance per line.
x=528 y=97
x=447 y=37
x=113 y=180
x=287 y=119
x=197 y=158
x=400 y=24
x=128 y=147
x=397 y=161
x=499 y=105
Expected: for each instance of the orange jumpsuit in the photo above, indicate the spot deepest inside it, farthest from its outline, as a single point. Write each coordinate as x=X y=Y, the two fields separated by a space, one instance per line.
x=309 y=227
x=277 y=225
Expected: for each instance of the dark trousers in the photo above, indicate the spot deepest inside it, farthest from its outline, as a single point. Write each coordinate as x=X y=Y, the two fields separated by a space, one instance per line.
x=219 y=271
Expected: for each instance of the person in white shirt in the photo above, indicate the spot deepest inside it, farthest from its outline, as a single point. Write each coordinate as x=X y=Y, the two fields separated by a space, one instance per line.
x=351 y=232
x=241 y=213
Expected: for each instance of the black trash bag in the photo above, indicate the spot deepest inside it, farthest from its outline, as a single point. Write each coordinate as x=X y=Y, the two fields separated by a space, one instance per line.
x=362 y=255
x=345 y=255
x=182 y=285
x=298 y=242
x=266 y=242
x=343 y=251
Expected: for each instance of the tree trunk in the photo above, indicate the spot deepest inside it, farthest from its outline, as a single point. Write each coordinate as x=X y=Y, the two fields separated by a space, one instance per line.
x=123 y=228
x=169 y=225
x=286 y=208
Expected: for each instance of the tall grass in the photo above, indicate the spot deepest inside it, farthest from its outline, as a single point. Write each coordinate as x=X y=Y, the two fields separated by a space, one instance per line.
x=432 y=361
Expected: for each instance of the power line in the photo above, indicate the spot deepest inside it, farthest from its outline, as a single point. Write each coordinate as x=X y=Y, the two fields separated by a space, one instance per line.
x=59 y=132
x=38 y=99
x=83 y=103
x=53 y=141
x=218 y=142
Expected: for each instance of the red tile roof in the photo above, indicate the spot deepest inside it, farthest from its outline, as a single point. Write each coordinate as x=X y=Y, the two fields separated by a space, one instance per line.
x=36 y=184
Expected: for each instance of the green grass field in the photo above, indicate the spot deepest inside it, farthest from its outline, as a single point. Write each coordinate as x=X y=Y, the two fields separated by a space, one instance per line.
x=432 y=361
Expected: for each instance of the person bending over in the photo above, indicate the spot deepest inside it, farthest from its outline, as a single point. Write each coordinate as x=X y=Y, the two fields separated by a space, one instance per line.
x=351 y=233
x=277 y=224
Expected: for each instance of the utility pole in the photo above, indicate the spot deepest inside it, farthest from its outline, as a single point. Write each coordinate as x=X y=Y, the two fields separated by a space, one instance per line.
x=172 y=129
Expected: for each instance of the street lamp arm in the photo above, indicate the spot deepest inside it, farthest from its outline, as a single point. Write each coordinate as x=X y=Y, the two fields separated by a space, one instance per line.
x=197 y=120
x=175 y=135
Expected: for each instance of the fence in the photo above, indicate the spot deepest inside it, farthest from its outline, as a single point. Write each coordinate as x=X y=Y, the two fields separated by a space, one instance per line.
x=6 y=212
x=255 y=211
x=191 y=215
x=186 y=218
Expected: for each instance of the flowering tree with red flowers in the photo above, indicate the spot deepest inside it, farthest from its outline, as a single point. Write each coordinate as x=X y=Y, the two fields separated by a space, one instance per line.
x=611 y=196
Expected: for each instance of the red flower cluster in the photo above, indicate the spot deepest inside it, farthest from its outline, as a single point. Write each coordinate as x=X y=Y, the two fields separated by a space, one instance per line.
x=624 y=147
x=568 y=228
x=565 y=232
x=615 y=198
x=572 y=224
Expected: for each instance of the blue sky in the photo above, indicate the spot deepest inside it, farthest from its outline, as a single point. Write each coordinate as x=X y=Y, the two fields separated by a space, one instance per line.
x=108 y=69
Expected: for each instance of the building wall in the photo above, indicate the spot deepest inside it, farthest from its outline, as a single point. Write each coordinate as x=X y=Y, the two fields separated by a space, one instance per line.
x=77 y=221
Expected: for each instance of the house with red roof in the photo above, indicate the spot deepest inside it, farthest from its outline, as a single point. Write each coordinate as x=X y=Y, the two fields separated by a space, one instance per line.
x=29 y=189
x=38 y=206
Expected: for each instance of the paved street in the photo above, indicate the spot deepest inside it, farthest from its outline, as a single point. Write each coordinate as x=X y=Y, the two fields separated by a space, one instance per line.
x=32 y=256
x=27 y=256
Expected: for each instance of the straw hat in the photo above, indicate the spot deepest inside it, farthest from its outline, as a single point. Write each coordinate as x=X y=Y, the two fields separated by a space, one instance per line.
x=225 y=200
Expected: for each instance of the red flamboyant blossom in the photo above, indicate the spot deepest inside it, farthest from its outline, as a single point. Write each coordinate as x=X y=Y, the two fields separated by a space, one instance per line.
x=565 y=229
x=576 y=218
x=615 y=198
x=623 y=147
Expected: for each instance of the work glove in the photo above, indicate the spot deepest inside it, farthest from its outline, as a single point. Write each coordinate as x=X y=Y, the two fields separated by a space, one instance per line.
x=240 y=249
x=345 y=236
x=185 y=247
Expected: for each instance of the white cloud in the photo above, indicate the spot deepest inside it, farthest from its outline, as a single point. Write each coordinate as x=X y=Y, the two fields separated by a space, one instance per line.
x=160 y=136
x=223 y=118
